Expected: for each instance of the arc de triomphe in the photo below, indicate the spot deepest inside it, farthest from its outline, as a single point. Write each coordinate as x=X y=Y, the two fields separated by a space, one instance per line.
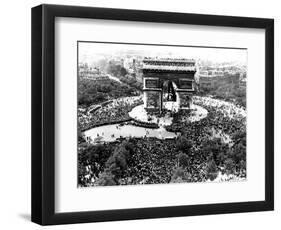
x=179 y=73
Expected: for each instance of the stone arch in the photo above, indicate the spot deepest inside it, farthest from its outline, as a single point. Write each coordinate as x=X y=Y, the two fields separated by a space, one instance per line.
x=179 y=73
x=169 y=90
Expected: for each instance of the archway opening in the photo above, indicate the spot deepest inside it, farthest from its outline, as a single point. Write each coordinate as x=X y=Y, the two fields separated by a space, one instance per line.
x=170 y=97
x=169 y=91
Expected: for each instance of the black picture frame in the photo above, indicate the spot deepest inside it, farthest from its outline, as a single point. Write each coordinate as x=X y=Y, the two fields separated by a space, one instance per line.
x=43 y=114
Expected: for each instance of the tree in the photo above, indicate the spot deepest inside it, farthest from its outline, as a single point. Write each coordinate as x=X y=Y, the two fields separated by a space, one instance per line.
x=105 y=179
x=116 y=69
x=183 y=144
x=94 y=155
x=82 y=172
x=117 y=163
x=183 y=160
x=242 y=165
x=238 y=152
x=123 y=71
x=81 y=136
x=94 y=92
x=214 y=149
x=229 y=166
x=129 y=149
x=179 y=176
x=211 y=171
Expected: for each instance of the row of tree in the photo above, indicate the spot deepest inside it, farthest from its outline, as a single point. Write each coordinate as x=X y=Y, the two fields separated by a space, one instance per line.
x=94 y=92
x=227 y=90
x=104 y=162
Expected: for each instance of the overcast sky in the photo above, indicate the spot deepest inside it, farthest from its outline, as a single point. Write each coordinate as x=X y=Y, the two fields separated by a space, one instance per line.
x=91 y=52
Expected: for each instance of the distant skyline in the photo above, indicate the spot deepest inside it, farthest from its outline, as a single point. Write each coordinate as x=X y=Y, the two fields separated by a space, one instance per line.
x=90 y=52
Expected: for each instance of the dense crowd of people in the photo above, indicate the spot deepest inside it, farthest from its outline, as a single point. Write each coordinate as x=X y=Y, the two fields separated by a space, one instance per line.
x=228 y=109
x=116 y=110
x=153 y=161
x=230 y=121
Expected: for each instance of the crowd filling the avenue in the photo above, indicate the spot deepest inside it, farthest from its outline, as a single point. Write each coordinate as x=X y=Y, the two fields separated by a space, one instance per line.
x=210 y=149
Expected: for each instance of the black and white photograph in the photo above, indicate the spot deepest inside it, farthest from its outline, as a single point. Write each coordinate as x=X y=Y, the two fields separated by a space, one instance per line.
x=160 y=114
x=140 y=114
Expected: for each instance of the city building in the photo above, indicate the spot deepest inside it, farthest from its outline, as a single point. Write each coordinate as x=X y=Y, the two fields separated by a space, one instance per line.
x=212 y=79
x=91 y=73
